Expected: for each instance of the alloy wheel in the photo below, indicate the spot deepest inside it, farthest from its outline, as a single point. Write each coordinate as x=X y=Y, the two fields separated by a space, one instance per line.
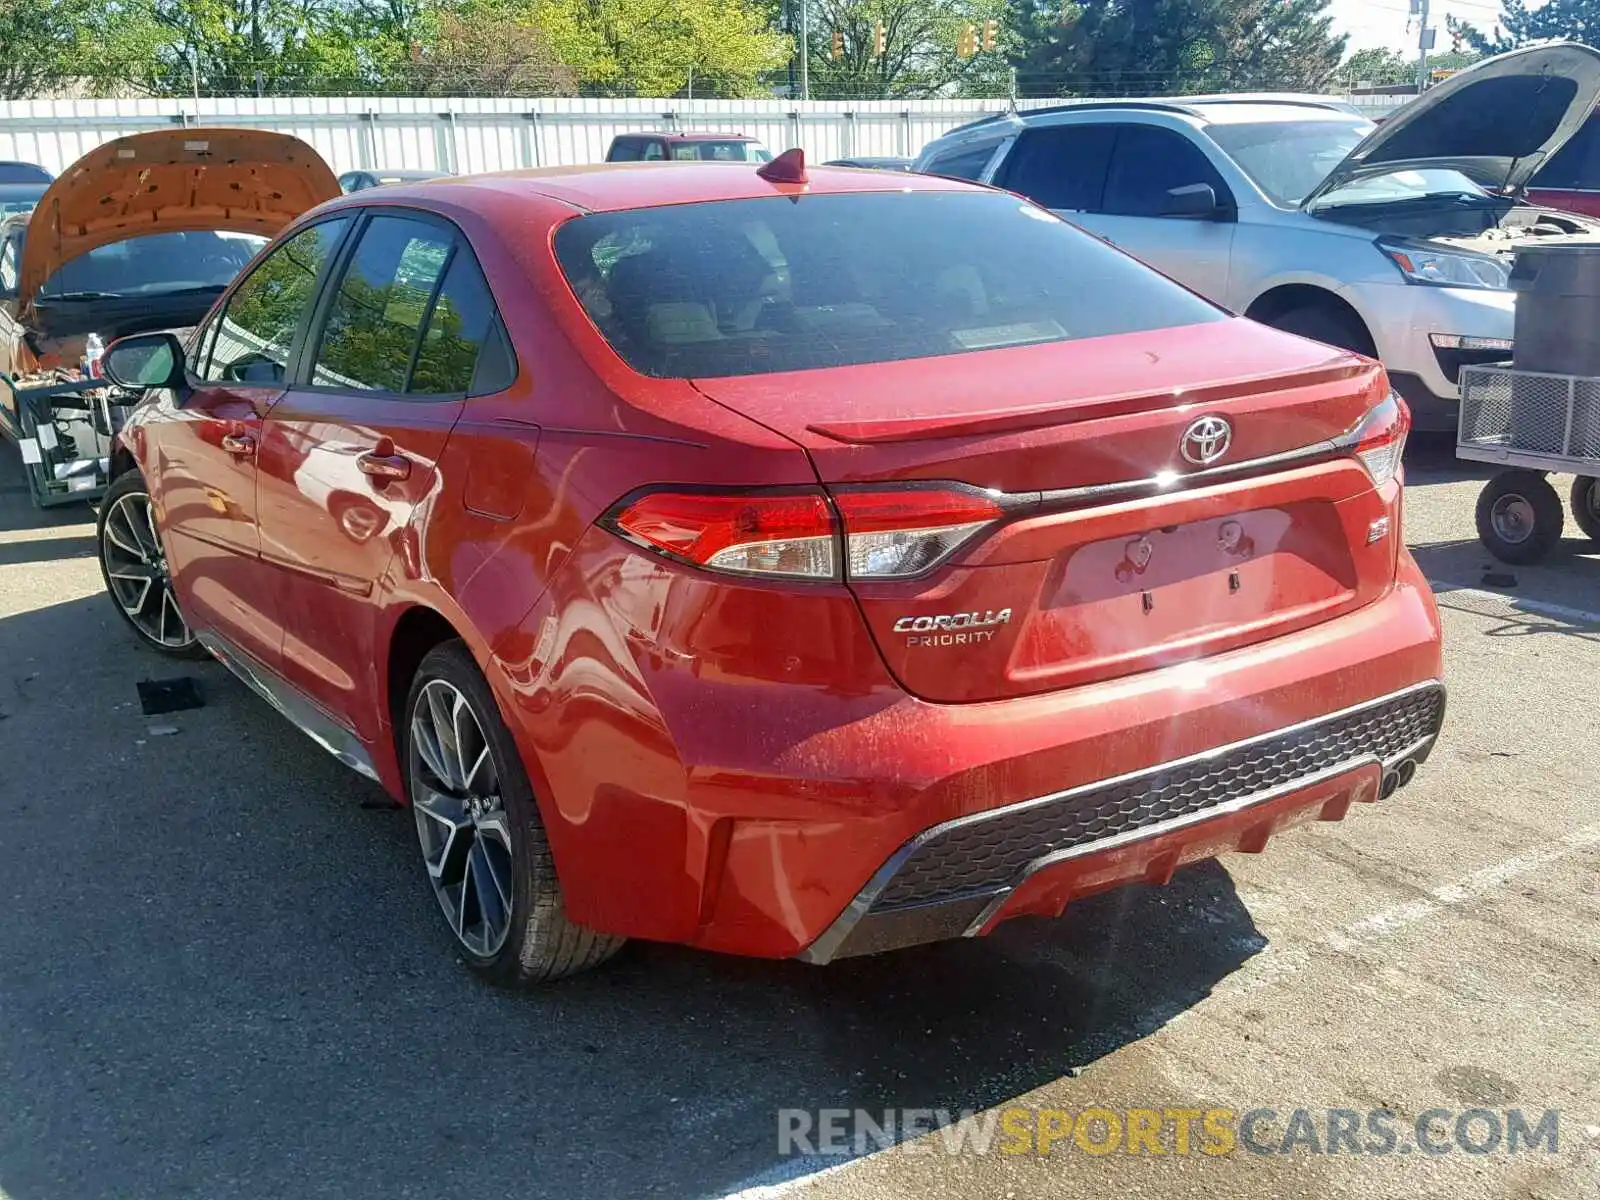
x=137 y=572
x=461 y=817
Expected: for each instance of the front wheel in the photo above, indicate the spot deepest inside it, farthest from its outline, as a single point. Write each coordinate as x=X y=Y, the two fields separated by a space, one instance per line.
x=1519 y=517
x=1326 y=324
x=483 y=844
x=133 y=564
x=1586 y=506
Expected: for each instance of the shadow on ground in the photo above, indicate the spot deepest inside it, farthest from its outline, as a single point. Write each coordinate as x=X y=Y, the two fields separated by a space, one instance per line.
x=16 y=506
x=224 y=976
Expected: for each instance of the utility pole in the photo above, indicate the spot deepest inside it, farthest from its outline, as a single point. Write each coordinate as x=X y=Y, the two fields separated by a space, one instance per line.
x=255 y=41
x=1424 y=43
x=805 y=49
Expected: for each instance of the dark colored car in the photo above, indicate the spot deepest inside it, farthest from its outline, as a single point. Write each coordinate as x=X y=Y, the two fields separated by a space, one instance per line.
x=195 y=205
x=679 y=147
x=24 y=172
x=785 y=565
x=887 y=163
x=356 y=181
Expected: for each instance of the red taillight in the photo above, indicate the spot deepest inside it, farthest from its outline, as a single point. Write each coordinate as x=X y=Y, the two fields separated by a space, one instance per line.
x=761 y=533
x=888 y=533
x=1380 y=440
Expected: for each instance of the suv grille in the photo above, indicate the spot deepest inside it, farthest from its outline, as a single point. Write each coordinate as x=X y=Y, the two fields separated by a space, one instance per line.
x=993 y=851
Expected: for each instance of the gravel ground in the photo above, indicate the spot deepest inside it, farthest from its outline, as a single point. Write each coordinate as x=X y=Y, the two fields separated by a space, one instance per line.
x=225 y=976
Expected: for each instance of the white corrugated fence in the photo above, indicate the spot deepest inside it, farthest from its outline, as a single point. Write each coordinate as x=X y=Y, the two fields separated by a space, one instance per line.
x=469 y=135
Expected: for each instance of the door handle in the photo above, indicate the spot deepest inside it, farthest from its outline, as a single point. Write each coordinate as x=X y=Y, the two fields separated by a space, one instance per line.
x=384 y=467
x=239 y=443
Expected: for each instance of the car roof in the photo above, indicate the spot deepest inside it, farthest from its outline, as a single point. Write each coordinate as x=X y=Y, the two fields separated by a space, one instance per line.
x=689 y=137
x=1211 y=109
x=610 y=187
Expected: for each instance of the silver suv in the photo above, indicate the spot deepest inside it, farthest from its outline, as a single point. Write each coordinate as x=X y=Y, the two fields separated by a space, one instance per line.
x=1394 y=240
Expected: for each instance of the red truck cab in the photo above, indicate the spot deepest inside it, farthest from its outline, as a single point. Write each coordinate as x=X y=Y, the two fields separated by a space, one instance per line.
x=1571 y=179
x=706 y=147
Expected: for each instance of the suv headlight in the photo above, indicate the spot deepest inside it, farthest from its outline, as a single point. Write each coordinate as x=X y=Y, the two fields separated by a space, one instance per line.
x=1445 y=268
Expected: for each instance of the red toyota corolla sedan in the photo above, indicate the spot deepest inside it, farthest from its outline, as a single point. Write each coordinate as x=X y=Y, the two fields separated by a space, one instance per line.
x=784 y=566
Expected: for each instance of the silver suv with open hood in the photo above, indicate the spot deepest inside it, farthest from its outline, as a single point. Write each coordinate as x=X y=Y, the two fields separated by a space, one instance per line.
x=1394 y=240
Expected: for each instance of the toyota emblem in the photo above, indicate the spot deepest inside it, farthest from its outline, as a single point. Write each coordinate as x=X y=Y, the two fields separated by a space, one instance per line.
x=1206 y=440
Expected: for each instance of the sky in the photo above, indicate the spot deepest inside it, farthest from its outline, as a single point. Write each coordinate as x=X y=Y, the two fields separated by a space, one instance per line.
x=1383 y=22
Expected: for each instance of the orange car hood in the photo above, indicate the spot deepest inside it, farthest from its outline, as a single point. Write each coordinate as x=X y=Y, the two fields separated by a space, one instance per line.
x=172 y=181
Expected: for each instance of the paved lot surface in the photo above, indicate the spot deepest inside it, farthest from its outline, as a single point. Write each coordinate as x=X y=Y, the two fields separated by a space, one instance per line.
x=221 y=975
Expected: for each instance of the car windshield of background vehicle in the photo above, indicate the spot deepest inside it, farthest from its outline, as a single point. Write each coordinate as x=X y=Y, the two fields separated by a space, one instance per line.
x=1288 y=159
x=157 y=264
x=748 y=287
x=721 y=151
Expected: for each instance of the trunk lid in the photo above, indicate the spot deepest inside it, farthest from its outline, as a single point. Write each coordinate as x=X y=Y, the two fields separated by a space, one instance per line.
x=1095 y=573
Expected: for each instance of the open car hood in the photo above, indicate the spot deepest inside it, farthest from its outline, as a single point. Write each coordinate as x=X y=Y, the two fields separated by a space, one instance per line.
x=1496 y=122
x=172 y=181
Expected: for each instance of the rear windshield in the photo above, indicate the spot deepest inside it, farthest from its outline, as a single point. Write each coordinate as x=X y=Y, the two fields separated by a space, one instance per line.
x=731 y=151
x=748 y=287
x=157 y=264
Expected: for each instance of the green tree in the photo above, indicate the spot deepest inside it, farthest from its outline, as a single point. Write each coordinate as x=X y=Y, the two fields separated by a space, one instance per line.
x=922 y=48
x=664 y=47
x=1522 y=22
x=1378 y=67
x=480 y=47
x=1132 y=47
x=41 y=45
x=224 y=47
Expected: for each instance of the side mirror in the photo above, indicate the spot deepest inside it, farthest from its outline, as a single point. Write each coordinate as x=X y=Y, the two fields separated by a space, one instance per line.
x=1194 y=202
x=146 y=360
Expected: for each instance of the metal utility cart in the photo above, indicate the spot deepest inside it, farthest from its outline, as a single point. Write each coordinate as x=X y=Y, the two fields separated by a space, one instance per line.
x=65 y=427
x=1540 y=412
x=1531 y=423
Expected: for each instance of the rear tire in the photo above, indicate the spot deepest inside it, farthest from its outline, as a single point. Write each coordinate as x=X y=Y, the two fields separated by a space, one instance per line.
x=1586 y=506
x=1323 y=323
x=482 y=838
x=1519 y=517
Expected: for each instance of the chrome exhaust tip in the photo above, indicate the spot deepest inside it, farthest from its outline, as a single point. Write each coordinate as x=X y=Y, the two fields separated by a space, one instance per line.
x=1406 y=771
x=1391 y=784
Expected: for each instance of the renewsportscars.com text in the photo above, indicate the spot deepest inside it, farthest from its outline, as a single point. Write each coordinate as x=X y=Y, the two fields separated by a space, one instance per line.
x=1206 y=1132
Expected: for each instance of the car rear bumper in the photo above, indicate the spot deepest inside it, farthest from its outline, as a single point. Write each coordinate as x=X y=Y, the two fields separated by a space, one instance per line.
x=1154 y=772
x=764 y=793
x=965 y=876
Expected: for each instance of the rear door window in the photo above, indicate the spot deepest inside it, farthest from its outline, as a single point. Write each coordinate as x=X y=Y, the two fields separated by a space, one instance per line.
x=1062 y=166
x=744 y=287
x=1147 y=163
x=376 y=316
x=456 y=330
x=410 y=315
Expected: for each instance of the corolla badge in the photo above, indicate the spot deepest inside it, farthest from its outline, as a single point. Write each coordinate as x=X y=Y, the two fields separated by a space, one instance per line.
x=952 y=629
x=1206 y=440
